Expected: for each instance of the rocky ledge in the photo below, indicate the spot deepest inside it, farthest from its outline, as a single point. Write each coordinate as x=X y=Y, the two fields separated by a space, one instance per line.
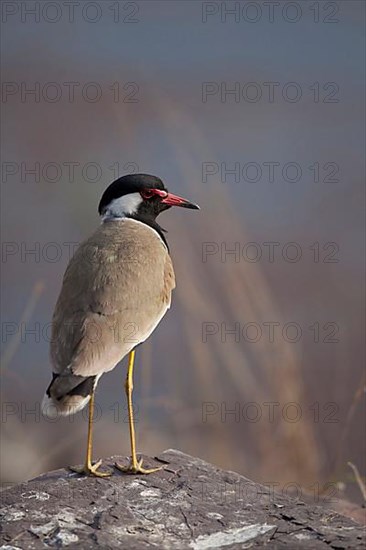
x=188 y=504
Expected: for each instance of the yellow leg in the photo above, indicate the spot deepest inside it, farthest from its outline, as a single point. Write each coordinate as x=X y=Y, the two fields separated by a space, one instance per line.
x=89 y=468
x=135 y=466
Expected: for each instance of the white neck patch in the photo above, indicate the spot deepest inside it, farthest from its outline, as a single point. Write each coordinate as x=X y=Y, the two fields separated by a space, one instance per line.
x=123 y=206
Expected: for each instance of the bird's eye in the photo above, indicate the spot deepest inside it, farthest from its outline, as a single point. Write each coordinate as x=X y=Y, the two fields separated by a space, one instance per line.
x=147 y=193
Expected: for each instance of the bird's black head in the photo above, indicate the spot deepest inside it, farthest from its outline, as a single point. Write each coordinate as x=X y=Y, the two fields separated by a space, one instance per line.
x=139 y=196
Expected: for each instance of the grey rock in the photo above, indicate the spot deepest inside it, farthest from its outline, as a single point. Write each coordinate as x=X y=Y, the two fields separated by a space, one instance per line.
x=189 y=505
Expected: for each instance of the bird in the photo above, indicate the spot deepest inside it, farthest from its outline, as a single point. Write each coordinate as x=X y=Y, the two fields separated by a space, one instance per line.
x=116 y=289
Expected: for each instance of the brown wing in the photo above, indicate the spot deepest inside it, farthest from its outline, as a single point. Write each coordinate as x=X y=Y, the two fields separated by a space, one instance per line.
x=116 y=289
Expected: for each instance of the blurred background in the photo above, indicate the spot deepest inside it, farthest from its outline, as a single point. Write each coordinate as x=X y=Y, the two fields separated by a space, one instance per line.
x=256 y=112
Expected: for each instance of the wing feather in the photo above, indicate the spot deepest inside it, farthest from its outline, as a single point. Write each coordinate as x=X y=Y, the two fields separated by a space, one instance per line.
x=115 y=290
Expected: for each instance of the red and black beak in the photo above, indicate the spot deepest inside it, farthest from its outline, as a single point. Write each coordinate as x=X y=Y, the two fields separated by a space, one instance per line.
x=174 y=200
x=168 y=198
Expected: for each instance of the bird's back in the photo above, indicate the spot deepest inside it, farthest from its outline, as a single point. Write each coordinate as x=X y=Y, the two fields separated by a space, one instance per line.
x=116 y=289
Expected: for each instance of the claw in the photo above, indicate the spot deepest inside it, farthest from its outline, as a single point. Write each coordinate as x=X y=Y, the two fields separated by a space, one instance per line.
x=135 y=467
x=90 y=470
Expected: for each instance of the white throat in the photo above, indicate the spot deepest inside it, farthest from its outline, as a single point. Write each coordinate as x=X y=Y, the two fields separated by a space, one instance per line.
x=122 y=207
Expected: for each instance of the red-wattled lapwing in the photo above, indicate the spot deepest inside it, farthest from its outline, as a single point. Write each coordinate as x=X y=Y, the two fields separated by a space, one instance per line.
x=116 y=289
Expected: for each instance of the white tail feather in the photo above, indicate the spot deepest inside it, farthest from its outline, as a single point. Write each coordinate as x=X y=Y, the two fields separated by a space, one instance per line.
x=70 y=404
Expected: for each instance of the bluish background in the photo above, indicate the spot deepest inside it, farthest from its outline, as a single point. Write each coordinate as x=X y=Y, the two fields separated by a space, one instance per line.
x=168 y=53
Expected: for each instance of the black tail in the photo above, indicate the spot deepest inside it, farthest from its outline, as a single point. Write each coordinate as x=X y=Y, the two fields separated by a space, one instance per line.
x=67 y=394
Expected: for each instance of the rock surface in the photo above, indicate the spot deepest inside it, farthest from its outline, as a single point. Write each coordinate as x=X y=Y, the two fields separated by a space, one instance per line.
x=189 y=505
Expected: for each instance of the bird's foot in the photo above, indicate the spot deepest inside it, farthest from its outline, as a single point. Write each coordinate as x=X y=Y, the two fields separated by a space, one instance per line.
x=90 y=470
x=135 y=467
